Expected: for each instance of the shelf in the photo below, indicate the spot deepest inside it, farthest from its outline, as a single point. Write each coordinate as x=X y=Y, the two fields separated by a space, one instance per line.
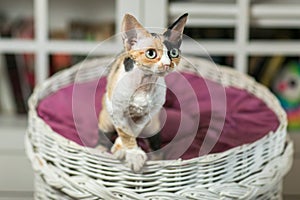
x=274 y=47
x=17 y=45
x=198 y=47
x=222 y=47
x=203 y=9
x=73 y=47
x=83 y=47
x=205 y=14
x=219 y=47
x=211 y=22
x=262 y=47
x=276 y=23
x=286 y=9
x=276 y=14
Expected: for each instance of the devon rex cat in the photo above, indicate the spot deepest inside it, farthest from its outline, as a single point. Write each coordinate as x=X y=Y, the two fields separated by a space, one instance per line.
x=136 y=89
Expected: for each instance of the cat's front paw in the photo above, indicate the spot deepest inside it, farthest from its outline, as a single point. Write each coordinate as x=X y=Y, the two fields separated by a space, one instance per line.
x=101 y=148
x=135 y=158
x=118 y=149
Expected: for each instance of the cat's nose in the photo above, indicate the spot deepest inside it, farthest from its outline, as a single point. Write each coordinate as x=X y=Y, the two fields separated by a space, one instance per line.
x=166 y=67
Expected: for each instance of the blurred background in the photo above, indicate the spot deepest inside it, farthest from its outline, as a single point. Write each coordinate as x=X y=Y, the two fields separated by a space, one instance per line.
x=41 y=37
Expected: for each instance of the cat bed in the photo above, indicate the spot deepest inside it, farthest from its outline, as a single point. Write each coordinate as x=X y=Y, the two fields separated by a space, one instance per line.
x=242 y=110
x=232 y=134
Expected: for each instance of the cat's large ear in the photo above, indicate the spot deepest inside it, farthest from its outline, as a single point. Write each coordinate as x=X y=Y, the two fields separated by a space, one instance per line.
x=175 y=31
x=132 y=31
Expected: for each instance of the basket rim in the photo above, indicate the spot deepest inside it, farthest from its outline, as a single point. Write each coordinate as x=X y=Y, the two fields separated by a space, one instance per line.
x=34 y=100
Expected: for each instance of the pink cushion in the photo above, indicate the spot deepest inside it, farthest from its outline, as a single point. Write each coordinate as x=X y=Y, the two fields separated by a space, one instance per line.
x=229 y=117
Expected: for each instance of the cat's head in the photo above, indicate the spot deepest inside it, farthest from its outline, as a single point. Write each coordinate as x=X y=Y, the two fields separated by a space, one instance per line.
x=152 y=52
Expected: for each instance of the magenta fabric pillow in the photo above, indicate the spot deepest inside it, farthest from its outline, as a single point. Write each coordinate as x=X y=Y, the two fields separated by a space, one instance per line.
x=196 y=110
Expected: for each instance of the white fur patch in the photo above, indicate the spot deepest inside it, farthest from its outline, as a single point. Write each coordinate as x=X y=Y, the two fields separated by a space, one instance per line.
x=135 y=159
x=165 y=60
x=118 y=149
x=127 y=92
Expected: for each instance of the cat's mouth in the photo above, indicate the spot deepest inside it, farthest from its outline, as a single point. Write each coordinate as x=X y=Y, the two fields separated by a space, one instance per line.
x=163 y=71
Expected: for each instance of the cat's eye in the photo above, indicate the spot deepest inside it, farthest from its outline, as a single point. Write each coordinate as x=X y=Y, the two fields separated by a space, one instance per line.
x=151 y=53
x=174 y=53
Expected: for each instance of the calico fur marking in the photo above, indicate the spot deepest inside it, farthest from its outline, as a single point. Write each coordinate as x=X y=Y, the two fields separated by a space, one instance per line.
x=128 y=64
x=181 y=21
x=175 y=31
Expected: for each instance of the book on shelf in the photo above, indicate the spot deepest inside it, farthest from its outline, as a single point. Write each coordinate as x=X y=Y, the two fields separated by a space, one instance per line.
x=19 y=67
x=91 y=31
x=273 y=66
x=274 y=33
x=209 y=33
x=264 y=69
x=6 y=98
x=77 y=30
x=58 y=60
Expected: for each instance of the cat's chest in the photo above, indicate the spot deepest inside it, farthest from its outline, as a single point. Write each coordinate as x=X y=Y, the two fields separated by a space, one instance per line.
x=137 y=94
x=140 y=104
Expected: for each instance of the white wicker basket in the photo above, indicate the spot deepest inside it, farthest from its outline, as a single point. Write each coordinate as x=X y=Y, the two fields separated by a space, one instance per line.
x=65 y=170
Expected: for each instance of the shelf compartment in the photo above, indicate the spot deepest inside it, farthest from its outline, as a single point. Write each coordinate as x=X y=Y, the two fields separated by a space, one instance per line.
x=205 y=14
x=266 y=47
x=81 y=20
x=272 y=14
x=203 y=9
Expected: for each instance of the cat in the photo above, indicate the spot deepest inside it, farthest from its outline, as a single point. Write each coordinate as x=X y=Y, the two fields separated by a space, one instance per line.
x=136 y=90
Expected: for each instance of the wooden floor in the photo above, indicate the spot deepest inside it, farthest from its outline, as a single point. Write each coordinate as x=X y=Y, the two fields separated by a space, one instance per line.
x=291 y=197
x=291 y=186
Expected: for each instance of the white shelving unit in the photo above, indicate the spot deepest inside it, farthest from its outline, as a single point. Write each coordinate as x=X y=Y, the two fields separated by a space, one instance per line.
x=238 y=14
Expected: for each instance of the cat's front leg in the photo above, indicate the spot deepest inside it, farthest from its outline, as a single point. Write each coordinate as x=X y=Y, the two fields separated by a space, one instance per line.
x=125 y=147
x=153 y=135
x=106 y=129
